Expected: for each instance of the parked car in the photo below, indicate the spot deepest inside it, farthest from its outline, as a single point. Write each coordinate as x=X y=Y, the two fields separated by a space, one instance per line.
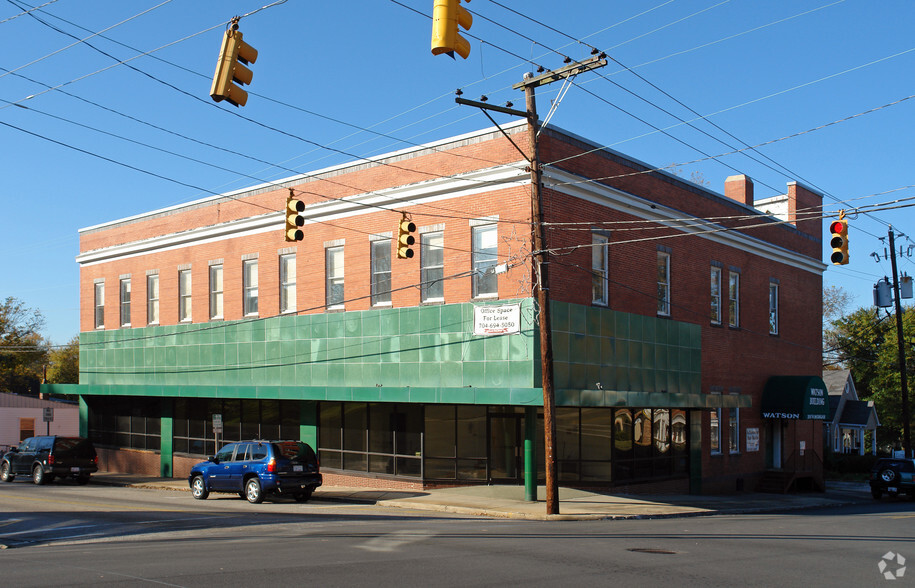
x=253 y=469
x=893 y=476
x=48 y=457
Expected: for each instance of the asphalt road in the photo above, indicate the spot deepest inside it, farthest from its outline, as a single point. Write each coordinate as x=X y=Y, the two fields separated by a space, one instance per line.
x=69 y=535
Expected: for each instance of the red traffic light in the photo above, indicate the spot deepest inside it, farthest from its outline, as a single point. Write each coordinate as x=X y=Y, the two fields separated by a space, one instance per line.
x=837 y=227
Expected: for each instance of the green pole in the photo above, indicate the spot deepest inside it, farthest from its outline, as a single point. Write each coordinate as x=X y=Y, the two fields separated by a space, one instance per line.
x=530 y=457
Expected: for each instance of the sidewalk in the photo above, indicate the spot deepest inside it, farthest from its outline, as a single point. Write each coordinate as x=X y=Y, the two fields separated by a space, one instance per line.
x=508 y=501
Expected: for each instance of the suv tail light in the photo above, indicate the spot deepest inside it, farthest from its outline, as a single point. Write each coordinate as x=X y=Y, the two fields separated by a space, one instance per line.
x=95 y=459
x=51 y=459
x=271 y=465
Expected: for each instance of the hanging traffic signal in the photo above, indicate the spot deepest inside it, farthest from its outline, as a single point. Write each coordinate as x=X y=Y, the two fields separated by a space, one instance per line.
x=232 y=55
x=405 y=239
x=839 y=241
x=447 y=16
x=294 y=219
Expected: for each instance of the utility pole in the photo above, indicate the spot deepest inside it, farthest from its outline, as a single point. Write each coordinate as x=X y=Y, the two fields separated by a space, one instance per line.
x=541 y=252
x=903 y=377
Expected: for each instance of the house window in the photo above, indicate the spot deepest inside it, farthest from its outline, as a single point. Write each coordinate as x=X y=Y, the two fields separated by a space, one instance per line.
x=716 y=295
x=485 y=282
x=432 y=266
x=152 y=299
x=715 y=430
x=125 y=302
x=733 y=299
x=184 y=295
x=100 y=305
x=381 y=272
x=773 y=308
x=216 y=292
x=734 y=430
x=287 y=283
x=26 y=428
x=599 y=268
x=249 y=284
x=663 y=283
x=334 y=271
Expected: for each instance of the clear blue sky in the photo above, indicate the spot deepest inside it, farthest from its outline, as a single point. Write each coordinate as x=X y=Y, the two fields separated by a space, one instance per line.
x=359 y=77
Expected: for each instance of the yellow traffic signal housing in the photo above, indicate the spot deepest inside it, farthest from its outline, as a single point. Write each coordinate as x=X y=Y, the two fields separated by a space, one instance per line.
x=232 y=55
x=294 y=219
x=839 y=242
x=447 y=16
x=405 y=239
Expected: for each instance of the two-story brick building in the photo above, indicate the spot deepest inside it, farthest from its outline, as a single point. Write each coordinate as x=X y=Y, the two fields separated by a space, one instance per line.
x=678 y=316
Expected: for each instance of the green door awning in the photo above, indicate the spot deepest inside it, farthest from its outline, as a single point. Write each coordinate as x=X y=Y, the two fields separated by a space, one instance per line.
x=795 y=397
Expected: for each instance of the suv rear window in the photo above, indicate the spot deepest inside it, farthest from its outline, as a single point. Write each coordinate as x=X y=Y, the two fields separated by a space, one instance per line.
x=75 y=446
x=295 y=451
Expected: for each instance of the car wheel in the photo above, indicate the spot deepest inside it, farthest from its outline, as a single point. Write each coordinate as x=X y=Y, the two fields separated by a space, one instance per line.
x=303 y=496
x=82 y=480
x=38 y=475
x=888 y=475
x=877 y=493
x=199 y=488
x=5 y=474
x=253 y=491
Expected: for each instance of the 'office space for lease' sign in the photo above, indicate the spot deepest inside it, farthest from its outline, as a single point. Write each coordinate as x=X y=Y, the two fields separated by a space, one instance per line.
x=497 y=320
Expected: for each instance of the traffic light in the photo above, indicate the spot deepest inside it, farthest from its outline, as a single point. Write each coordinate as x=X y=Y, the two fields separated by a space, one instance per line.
x=294 y=219
x=447 y=16
x=839 y=242
x=405 y=239
x=229 y=69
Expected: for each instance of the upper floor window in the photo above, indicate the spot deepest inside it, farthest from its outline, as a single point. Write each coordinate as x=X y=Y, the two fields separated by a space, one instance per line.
x=152 y=299
x=125 y=302
x=216 y=291
x=287 y=283
x=249 y=283
x=381 y=272
x=184 y=295
x=716 y=295
x=100 y=305
x=334 y=272
x=715 y=430
x=485 y=282
x=733 y=299
x=663 y=283
x=599 y=268
x=432 y=266
x=773 y=308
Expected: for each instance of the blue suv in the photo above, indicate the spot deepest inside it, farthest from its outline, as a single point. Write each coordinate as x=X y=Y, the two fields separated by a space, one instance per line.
x=253 y=469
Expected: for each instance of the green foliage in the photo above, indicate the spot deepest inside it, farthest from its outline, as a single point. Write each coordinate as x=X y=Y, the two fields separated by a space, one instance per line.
x=849 y=463
x=64 y=363
x=23 y=352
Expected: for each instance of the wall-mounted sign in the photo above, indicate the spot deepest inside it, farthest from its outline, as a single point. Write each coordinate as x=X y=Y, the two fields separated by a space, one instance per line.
x=503 y=319
x=752 y=440
x=217 y=423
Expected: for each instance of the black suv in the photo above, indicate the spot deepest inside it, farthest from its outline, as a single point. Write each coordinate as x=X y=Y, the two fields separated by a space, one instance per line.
x=49 y=457
x=893 y=476
x=253 y=469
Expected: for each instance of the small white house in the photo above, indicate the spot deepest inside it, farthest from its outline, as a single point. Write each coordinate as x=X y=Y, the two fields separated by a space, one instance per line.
x=849 y=418
x=24 y=416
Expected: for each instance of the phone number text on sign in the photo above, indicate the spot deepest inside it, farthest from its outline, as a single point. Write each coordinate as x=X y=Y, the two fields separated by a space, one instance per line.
x=497 y=320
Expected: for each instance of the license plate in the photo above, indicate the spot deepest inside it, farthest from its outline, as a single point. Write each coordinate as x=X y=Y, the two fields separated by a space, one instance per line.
x=297 y=468
x=74 y=470
x=892 y=489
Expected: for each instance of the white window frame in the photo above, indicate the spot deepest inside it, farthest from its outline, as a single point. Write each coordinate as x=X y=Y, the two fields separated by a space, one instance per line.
x=663 y=283
x=715 y=298
x=773 y=308
x=288 y=283
x=380 y=250
x=600 y=269
x=99 y=317
x=249 y=286
x=152 y=299
x=124 y=298
x=334 y=278
x=734 y=299
x=431 y=275
x=184 y=295
x=483 y=262
x=217 y=310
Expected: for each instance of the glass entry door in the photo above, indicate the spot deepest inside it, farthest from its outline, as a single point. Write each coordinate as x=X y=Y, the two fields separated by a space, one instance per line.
x=506 y=447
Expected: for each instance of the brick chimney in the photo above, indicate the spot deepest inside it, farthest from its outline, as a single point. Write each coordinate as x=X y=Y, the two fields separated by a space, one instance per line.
x=739 y=188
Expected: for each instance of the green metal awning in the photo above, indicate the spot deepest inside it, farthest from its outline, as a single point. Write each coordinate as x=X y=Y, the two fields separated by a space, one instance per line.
x=795 y=397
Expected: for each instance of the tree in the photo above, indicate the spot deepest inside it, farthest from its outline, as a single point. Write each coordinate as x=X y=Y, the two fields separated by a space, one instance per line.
x=23 y=352
x=64 y=363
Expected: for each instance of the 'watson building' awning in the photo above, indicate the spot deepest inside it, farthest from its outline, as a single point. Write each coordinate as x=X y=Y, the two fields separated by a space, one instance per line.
x=795 y=397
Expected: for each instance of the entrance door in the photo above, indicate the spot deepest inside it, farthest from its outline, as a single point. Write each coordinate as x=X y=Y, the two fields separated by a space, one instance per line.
x=506 y=448
x=774 y=445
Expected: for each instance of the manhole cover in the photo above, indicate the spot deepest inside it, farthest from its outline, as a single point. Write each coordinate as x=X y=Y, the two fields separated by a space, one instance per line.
x=651 y=550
